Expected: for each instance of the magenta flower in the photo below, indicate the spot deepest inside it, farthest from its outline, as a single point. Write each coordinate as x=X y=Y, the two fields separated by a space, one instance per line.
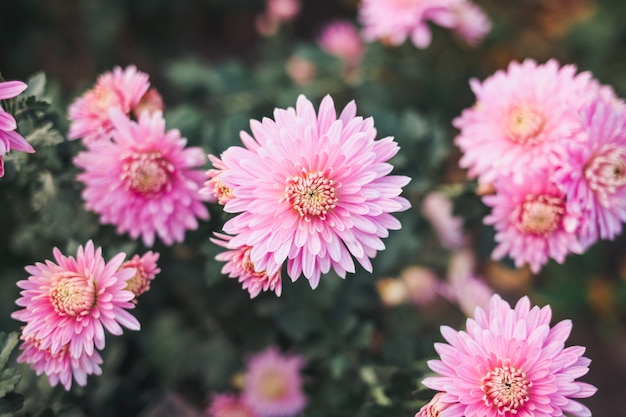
x=144 y=181
x=393 y=21
x=341 y=38
x=238 y=265
x=532 y=221
x=593 y=171
x=521 y=118
x=510 y=362
x=312 y=189
x=61 y=366
x=273 y=384
x=68 y=304
x=120 y=89
x=145 y=268
x=227 y=405
x=9 y=138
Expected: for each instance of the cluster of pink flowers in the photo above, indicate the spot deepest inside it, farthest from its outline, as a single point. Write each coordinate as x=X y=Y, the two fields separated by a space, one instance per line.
x=552 y=144
x=9 y=138
x=67 y=304
x=137 y=176
x=311 y=190
x=508 y=362
x=393 y=21
x=272 y=388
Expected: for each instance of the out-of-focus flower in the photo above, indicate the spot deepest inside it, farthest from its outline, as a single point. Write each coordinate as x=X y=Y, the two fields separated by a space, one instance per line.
x=422 y=284
x=61 y=366
x=532 y=221
x=273 y=384
x=146 y=269
x=509 y=361
x=463 y=287
x=213 y=187
x=150 y=102
x=435 y=407
x=312 y=189
x=144 y=180
x=472 y=24
x=9 y=138
x=68 y=304
x=393 y=21
x=341 y=39
x=437 y=208
x=89 y=114
x=238 y=265
x=300 y=70
x=593 y=171
x=229 y=405
x=392 y=291
x=283 y=10
x=521 y=118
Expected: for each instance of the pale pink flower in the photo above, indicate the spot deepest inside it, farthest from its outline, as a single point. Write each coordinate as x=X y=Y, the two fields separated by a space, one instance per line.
x=437 y=208
x=273 y=384
x=472 y=24
x=282 y=10
x=312 y=190
x=341 y=38
x=213 y=187
x=436 y=407
x=422 y=284
x=60 y=367
x=593 y=171
x=120 y=89
x=521 y=118
x=238 y=265
x=9 y=138
x=300 y=70
x=510 y=362
x=144 y=180
x=229 y=405
x=393 y=21
x=146 y=269
x=68 y=304
x=532 y=221
x=392 y=291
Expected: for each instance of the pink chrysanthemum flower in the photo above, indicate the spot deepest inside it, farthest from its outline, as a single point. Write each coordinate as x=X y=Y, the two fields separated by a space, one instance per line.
x=472 y=24
x=438 y=210
x=521 y=118
x=435 y=407
x=9 y=138
x=146 y=269
x=532 y=221
x=593 y=171
x=213 y=187
x=312 y=189
x=228 y=405
x=510 y=362
x=61 y=366
x=239 y=265
x=393 y=21
x=72 y=301
x=341 y=38
x=119 y=89
x=273 y=384
x=144 y=181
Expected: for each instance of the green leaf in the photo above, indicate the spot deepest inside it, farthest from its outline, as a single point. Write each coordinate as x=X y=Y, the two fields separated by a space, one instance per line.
x=11 y=403
x=36 y=85
x=7 y=344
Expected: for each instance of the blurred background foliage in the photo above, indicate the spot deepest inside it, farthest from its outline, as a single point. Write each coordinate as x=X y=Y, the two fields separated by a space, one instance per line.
x=215 y=72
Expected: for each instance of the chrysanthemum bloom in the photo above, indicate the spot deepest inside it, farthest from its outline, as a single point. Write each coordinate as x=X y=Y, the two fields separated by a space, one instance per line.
x=143 y=180
x=472 y=24
x=228 y=405
x=393 y=21
x=89 y=114
x=532 y=221
x=521 y=118
x=341 y=38
x=273 y=384
x=438 y=210
x=510 y=362
x=9 y=138
x=435 y=407
x=146 y=269
x=72 y=301
x=238 y=265
x=61 y=366
x=213 y=187
x=312 y=190
x=593 y=171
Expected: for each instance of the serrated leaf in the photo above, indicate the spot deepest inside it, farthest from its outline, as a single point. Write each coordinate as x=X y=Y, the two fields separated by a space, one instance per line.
x=36 y=85
x=45 y=135
x=8 y=380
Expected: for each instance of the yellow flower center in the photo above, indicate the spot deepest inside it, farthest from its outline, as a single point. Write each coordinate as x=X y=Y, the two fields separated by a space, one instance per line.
x=311 y=194
x=524 y=125
x=541 y=214
x=71 y=294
